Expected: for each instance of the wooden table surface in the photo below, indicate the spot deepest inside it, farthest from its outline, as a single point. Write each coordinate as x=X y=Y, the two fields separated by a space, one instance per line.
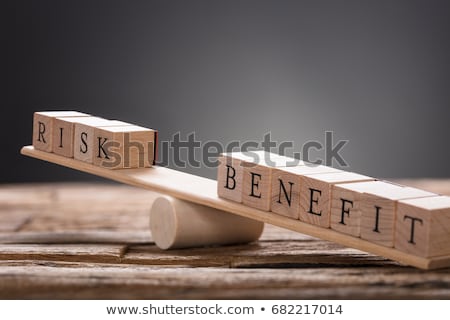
x=92 y=240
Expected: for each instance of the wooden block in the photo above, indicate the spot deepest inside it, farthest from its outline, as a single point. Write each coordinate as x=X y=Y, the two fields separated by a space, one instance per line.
x=84 y=136
x=124 y=147
x=257 y=180
x=229 y=178
x=43 y=127
x=378 y=209
x=423 y=226
x=63 y=135
x=315 y=192
x=345 y=206
x=231 y=171
x=286 y=187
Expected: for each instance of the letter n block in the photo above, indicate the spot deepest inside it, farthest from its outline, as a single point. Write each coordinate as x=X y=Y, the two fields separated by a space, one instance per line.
x=257 y=179
x=378 y=211
x=346 y=200
x=423 y=226
x=286 y=187
x=43 y=123
x=124 y=147
x=315 y=192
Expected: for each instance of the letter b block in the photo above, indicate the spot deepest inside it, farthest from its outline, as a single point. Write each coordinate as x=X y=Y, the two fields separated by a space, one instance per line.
x=423 y=226
x=229 y=177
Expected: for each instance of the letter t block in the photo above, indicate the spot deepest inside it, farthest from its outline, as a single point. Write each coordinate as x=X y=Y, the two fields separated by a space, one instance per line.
x=423 y=226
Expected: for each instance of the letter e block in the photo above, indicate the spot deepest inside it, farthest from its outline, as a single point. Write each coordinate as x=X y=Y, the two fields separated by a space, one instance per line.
x=315 y=192
x=286 y=187
x=423 y=226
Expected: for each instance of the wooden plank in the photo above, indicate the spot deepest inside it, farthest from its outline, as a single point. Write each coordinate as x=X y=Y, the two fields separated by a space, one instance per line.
x=56 y=280
x=62 y=252
x=262 y=254
x=204 y=191
x=77 y=237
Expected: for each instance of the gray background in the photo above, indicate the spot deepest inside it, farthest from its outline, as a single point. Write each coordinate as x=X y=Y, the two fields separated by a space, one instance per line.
x=377 y=73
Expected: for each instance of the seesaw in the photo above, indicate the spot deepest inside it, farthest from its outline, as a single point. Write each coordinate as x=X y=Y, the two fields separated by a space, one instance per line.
x=203 y=192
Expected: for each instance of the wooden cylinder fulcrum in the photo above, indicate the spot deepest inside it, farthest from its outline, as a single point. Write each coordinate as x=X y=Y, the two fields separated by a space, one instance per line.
x=178 y=224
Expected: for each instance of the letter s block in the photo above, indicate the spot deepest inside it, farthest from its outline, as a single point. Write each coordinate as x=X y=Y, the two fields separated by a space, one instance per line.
x=43 y=124
x=423 y=226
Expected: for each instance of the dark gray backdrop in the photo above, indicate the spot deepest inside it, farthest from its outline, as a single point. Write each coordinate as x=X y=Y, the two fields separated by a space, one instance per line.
x=373 y=72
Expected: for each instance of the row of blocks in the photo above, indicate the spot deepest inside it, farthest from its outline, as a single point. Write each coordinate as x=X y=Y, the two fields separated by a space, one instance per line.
x=110 y=144
x=409 y=219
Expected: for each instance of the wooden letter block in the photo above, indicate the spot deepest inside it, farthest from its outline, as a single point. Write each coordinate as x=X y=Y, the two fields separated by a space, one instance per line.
x=43 y=123
x=124 y=147
x=257 y=179
x=63 y=135
x=378 y=211
x=286 y=187
x=315 y=192
x=423 y=226
x=229 y=177
x=345 y=210
x=84 y=136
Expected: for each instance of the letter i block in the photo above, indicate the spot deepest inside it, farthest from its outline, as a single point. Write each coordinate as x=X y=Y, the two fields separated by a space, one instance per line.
x=378 y=211
x=423 y=226
x=84 y=136
x=43 y=123
x=124 y=147
x=257 y=180
x=63 y=135
x=345 y=206
x=286 y=186
x=315 y=192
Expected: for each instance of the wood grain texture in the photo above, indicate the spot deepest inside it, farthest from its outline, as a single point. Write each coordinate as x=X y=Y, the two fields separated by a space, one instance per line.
x=204 y=191
x=83 y=251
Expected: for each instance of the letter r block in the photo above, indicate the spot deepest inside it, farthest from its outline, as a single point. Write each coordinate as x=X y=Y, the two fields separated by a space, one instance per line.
x=43 y=123
x=423 y=226
x=124 y=147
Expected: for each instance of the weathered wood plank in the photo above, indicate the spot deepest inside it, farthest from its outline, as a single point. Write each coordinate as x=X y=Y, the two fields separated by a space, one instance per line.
x=262 y=254
x=284 y=264
x=63 y=252
x=139 y=282
x=77 y=236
